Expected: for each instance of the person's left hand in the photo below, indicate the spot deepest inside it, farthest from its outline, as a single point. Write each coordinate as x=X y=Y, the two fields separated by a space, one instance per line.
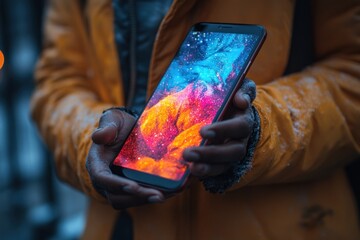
x=227 y=139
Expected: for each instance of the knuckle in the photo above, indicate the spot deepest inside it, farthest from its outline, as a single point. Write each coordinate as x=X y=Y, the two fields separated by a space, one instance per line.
x=108 y=118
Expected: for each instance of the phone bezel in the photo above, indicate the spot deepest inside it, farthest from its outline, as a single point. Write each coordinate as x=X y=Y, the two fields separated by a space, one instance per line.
x=150 y=180
x=170 y=185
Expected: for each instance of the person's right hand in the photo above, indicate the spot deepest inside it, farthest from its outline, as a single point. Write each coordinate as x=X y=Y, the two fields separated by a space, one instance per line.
x=114 y=126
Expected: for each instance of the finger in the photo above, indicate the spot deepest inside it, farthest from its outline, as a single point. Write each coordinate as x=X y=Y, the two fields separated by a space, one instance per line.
x=206 y=170
x=141 y=191
x=118 y=185
x=249 y=87
x=216 y=154
x=242 y=101
x=100 y=173
x=245 y=95
x=120 y=202
x=102 y=177
x=138 y=191
x=238 y=127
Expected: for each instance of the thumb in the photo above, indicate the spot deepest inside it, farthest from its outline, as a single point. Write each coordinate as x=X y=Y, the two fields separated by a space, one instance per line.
x=106 y=135
x=245 y=95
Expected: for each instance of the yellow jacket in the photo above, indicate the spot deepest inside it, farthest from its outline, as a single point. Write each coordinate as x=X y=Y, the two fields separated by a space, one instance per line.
x=296 y=188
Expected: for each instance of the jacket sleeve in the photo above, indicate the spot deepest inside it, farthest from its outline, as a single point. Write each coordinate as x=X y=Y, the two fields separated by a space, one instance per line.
x=310 y=120
x=65 y=105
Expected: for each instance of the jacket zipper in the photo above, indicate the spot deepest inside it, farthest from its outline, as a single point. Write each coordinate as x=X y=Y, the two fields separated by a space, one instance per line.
x=133 y=28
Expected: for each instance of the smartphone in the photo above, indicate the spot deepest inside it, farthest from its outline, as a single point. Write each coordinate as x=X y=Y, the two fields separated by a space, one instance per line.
x=195 y=91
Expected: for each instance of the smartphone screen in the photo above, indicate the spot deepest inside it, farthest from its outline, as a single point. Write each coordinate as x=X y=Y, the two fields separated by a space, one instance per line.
x=192 y=94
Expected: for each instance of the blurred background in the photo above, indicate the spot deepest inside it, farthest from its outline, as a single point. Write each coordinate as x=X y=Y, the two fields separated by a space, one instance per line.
x=33 y=203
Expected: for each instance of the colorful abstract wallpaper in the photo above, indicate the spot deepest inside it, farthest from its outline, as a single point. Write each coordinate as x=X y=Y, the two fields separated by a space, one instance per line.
x=188 y=97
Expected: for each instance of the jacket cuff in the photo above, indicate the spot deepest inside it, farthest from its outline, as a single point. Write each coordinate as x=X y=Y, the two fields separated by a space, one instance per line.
x=220 y=183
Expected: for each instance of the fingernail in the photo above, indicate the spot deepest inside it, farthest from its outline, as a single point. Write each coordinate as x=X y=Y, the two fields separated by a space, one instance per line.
x=247 y=97
x=155 y=199
x=192 y=156
x=97 y=130
x=113 y=125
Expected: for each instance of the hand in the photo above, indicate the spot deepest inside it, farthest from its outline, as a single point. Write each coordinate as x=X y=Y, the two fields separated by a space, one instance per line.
x=227 y=139
x=122 y=193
